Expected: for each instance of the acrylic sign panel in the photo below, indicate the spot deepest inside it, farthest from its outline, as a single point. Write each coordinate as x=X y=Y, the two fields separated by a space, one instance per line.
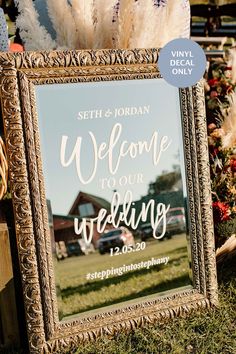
x=115 y=184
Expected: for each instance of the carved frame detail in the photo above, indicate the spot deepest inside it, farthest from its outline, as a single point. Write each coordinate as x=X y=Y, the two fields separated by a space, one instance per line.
x=20 y=72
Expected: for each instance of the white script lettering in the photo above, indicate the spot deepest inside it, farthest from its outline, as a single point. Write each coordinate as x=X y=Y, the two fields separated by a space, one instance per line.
x=109 y=151
x=124 y=212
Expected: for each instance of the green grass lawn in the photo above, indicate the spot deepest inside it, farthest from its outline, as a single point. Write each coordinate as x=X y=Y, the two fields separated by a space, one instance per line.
x=211 y=332
x=79 y=294
x=203 y=332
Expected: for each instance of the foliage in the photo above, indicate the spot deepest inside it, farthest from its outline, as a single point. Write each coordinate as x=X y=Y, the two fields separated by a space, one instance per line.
x=165 y=182
x=226 y=229
x=219 y=86
x=221 y=116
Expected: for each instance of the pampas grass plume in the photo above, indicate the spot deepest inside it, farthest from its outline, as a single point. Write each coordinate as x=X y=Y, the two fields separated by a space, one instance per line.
x=103 y=36
x=60 y=13
x=82 y=12
x=123 y=18
x=100 y=24
x=34 y=36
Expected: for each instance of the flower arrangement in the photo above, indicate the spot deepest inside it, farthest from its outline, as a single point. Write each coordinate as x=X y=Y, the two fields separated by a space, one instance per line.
x=96 y=24
x=221 y=115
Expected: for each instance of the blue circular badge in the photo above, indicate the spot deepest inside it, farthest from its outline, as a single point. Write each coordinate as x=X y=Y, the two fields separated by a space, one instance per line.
x=182 y=62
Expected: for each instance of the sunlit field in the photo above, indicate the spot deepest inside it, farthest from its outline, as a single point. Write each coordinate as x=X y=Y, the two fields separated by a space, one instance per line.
x=79 y=294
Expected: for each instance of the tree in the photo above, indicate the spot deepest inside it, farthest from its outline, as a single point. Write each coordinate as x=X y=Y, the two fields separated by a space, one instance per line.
x=165 y=182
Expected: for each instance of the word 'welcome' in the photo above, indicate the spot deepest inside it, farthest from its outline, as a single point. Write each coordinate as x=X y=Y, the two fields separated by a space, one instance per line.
x=114 y=151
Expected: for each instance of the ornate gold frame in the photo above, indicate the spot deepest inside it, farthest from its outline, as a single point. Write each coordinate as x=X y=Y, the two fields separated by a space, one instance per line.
x=20 y=72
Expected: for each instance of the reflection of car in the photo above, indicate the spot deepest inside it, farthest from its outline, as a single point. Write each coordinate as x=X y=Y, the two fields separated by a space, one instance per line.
x=175 y=221
x=115 y=238
x=73 y=248
x=146 y=231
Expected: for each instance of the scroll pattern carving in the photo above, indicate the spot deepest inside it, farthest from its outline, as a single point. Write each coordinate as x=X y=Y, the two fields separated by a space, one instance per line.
x=196 y=221
x=187 y=119
x=22 y=206
x=205 y=194
x=67 y=59
x=50 y=294
x=20 y=72
x=36 y=200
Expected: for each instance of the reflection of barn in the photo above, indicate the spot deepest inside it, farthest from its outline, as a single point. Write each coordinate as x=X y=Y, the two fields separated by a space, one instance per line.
x=63 y=228
x=85 y=206
x=88 y=205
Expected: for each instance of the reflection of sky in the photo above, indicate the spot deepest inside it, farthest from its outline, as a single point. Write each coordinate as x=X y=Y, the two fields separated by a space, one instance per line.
x=58 y=107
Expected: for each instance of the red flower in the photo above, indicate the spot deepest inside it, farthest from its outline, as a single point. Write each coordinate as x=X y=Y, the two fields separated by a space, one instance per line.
x=220 y=212
x=228 y=68
x=215 y=151
x=213 y=82
x=213 y=94
x=233 y=165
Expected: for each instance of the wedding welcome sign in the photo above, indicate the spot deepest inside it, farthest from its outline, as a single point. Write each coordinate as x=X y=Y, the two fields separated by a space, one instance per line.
x=104 y=153
x=111 y=193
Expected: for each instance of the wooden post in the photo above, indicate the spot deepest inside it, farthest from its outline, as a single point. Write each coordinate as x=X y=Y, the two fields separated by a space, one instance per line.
x=8 y=313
